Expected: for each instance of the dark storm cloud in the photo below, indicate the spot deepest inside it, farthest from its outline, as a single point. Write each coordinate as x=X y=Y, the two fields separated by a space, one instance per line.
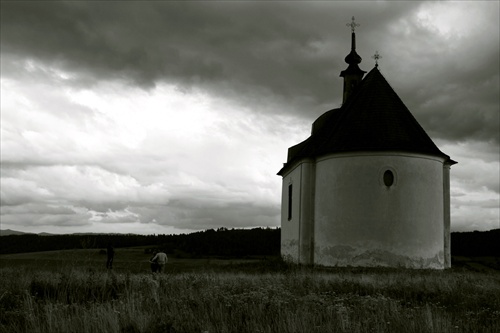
x=245 y=50
x=458 y=104
x=278 y=57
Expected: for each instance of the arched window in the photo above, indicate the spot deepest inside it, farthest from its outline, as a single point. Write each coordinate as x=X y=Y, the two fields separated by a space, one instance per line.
x=388 y=178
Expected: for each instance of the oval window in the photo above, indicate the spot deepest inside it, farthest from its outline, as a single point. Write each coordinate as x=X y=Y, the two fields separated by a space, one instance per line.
x=388 y=178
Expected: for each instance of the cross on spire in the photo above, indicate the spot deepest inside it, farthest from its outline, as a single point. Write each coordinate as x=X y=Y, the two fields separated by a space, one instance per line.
x=353 y=24
x=376 y=56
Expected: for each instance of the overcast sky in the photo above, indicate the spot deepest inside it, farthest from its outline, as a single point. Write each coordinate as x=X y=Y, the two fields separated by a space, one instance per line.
x=169 y=117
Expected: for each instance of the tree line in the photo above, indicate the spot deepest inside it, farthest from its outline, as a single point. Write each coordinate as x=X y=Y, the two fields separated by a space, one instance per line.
x=219 y=242
x=476 y=243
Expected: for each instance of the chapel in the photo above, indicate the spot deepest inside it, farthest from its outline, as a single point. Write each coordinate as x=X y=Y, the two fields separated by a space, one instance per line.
x=368 y=187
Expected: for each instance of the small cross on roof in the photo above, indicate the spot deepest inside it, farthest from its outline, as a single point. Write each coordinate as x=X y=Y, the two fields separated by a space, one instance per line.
x=353 y=24
x=376 y=56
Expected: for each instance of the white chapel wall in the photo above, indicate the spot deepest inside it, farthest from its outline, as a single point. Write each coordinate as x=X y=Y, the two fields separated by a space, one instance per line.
x=359 y=221
x=297 y=224
x=290 y=227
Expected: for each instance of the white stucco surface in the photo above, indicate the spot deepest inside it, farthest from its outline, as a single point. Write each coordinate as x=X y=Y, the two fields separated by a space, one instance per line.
x=297 y=233
x=356 y=220
x=362 y=222
x=290 y=228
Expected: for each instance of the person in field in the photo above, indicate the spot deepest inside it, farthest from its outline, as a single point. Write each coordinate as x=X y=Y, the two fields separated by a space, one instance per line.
x=110 y=251
x=154 y=263
x=161 y=259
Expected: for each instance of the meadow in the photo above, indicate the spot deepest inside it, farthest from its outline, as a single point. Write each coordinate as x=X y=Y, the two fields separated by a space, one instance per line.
x=71 y=291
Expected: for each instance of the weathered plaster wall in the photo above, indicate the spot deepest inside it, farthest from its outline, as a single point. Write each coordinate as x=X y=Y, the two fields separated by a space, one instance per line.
x=447 y=215
x=359 y=221
x=297 y=234
x=290 y=228
x=306 y=229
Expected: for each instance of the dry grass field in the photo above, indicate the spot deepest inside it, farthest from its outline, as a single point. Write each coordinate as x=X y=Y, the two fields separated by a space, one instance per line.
x=71 y=291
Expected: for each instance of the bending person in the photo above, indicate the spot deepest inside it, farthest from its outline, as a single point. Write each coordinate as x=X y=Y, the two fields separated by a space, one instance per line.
x=161 y=259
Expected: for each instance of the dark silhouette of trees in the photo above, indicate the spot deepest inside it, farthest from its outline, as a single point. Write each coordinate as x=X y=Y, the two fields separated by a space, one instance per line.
x=220 y=242
x=476 y=243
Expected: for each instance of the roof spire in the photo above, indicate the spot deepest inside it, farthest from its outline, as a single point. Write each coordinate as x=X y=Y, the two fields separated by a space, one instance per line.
x=353 y=26
x=353 y=57
x=353 y=74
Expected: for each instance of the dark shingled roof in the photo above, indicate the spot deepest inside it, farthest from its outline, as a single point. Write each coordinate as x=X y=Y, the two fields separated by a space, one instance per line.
x=373 y=119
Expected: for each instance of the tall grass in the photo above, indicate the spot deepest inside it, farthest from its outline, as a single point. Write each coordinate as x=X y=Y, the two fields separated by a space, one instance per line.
x=269 y=298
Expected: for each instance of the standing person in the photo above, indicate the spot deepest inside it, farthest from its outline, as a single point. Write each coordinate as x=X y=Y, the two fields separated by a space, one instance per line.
x=110 y=251
x=154 y=263
x=161 y=258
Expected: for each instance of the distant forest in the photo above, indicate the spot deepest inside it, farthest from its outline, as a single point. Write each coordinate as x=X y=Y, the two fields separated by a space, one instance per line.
x=221 y=242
